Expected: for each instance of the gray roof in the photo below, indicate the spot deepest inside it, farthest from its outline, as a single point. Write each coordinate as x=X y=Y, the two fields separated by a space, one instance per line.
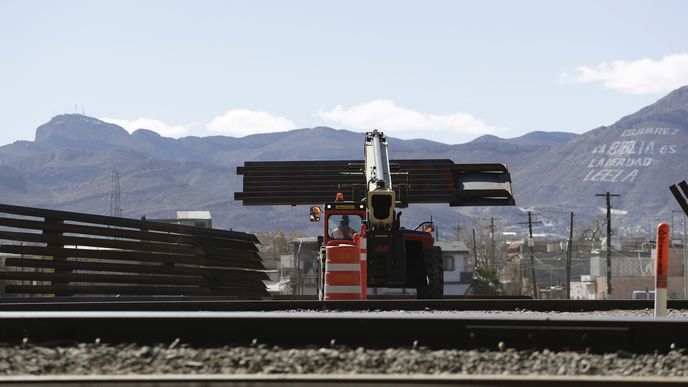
x=305 y=240
x=193 y=215
x=452 y=245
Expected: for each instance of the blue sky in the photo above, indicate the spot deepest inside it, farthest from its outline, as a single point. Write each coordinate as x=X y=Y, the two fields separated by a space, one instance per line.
x=443 y=70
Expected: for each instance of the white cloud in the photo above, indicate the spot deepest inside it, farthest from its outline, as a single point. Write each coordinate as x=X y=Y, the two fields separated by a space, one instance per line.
x=158 y=126
x=242 y=122
x=644 y=76
x=379 y=114
x=384 y=114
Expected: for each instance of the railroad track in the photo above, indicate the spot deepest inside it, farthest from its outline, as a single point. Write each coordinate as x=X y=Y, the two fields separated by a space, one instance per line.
x=227 y=304
x=337 y=380
x=420 y=329
x=464 y=324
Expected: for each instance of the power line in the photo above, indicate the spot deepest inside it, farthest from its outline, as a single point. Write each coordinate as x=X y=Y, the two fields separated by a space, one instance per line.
x=531 y=244
x=494 y=247
x=609 y=239
x=569 y=252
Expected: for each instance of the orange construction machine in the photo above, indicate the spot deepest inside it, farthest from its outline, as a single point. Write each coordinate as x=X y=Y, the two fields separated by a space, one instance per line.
x=363 y=243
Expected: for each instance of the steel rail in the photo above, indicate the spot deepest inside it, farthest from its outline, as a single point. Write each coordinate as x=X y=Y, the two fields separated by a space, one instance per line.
x=410 y=380
x=219 y=304
x=462 y=330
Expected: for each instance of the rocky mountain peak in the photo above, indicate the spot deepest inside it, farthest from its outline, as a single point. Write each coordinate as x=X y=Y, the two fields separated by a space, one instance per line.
x=73 y=129
x=537 y=138
x=147 y=133
x=486 y=138
x=671 y=109
x=677 y=99
x=544 y=138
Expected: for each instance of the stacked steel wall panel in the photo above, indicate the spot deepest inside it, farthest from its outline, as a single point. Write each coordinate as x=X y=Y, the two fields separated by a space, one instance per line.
x=415 y=181
x=68 y=253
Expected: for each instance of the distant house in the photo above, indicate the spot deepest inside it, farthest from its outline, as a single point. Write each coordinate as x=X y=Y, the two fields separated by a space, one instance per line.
x=190 y=218
x=457 y=273
x=632 y=268
x=549 y=257
x=195 y=218
x=637 y=273
x=585 y=289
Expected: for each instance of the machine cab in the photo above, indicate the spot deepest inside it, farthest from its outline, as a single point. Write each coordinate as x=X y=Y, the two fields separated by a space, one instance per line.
x=342 y=221
x=343 y=226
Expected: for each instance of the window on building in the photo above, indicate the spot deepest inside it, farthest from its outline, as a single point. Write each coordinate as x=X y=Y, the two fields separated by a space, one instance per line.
x=448 y=263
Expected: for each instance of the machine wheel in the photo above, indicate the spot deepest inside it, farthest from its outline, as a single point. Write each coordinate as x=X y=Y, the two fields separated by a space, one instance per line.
x=431 y=282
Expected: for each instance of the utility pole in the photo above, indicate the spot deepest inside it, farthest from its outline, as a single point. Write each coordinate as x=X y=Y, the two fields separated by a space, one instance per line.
x=569 y=250
x=531 y=244
x=685 y=261
x=457 y=228
x=609 y=240
x=492 y=233
x=475 y=253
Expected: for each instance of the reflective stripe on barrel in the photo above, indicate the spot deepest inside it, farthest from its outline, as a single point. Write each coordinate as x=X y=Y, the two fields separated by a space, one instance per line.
x=363 y=255
x=343 y=267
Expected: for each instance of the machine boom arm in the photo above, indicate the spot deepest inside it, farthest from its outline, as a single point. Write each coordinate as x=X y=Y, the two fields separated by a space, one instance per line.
x=378 y=172
x=380 y=197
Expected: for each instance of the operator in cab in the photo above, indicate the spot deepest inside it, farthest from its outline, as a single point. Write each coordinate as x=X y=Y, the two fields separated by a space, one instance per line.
x=343 y=231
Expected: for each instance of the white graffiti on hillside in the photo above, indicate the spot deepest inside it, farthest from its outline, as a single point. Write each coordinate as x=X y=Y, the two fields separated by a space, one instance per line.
x=612 y=175
x=621 y=161
x=632 y=147
x=650 y=131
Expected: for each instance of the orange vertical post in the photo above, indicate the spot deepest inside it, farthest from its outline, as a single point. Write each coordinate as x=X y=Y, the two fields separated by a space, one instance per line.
x=661 y=270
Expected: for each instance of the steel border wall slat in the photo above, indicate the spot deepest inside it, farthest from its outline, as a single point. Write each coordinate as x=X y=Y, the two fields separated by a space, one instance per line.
x=424 y=181
x=124 y=222
x=213 y=262
x=225 y=273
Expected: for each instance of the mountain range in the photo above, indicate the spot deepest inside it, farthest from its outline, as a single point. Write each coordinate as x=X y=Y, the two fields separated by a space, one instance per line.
x=69 y=166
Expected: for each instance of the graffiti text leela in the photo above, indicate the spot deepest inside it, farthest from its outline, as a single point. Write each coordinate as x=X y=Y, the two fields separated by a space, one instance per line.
x=621 y=161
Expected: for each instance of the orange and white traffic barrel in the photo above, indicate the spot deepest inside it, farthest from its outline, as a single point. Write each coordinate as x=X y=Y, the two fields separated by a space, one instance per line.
x=363 y=254
x=342 y=272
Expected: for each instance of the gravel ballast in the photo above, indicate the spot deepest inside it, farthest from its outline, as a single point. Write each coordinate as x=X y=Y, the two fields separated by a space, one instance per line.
x=101 y=359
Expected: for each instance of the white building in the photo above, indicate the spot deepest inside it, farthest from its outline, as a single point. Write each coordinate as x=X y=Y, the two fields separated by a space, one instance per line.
x=457 y=274
x=195 y=218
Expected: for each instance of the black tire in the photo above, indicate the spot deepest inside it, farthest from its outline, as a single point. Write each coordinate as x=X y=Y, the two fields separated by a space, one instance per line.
x=431 y=282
